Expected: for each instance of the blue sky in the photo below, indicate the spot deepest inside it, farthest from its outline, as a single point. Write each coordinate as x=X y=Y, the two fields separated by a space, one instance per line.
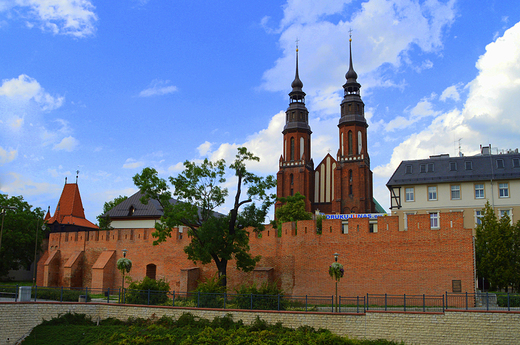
x=111 y=87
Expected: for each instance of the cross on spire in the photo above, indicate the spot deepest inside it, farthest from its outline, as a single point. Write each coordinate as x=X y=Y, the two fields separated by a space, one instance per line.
x=297 y=40
x=350 y=34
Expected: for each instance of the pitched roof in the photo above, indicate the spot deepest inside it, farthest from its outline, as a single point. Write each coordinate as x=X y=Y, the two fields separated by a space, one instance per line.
x=133 y=207
x=70 y=208
x=445 y=169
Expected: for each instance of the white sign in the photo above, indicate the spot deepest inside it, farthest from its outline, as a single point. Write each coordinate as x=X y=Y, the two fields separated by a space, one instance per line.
x=356 y=215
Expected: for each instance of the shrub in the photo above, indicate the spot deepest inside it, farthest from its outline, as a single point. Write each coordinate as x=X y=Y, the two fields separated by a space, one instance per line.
x=148 y=291
x=56 y=294
x=267 y=297
x=514 y=301
x=210 y=294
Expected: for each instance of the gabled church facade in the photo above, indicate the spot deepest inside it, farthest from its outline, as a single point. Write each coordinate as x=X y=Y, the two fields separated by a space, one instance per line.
x=337 y=185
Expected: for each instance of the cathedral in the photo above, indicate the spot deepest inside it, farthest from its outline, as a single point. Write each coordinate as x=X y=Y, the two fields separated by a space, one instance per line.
x=340 y=185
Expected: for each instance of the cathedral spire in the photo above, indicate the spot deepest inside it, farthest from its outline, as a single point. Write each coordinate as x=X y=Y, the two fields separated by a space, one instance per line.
x=351 y=75
x=297 y=83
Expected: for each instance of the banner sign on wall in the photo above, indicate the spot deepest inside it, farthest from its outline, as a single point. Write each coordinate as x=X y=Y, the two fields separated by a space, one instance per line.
x=355 y=215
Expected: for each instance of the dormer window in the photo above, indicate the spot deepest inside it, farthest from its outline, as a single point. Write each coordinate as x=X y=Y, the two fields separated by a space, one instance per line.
x=131 y=210
x=453 y=166
x=468 y=165
x=408 y=169
x=422 y=168
x=516 y=162
x=430 y=167
x=500 y=164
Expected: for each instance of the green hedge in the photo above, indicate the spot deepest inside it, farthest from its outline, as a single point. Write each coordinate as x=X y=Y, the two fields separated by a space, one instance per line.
x=148 y=291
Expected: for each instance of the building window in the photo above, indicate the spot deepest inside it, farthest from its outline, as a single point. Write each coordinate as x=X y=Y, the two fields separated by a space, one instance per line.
x=292 y=149
x=349 y=142
x=410 y=194
x=468 y=165
x=372 y=226
x=478 y=217
x=292 y=179
x=432 y=193
x=430 y=167
x=479 y=191
x=455 y=192
x=503 y=190
x=500 y=164
x=422 y=168
x=151 y=271
x=456 y=286
x=506 y=212
x=453 y=166
x=434 y=220
x=344 y=227
x=408 y=169
x=516 y=162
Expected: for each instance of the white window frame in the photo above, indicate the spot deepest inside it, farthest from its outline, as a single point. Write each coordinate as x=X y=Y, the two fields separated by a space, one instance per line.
x=503 y=190
x=433 y=195
x=459 y=191
x=479 y=190
x=405 y=217
x=479 y=215
x=435 y=220
x=412 y=199
x=509 y=211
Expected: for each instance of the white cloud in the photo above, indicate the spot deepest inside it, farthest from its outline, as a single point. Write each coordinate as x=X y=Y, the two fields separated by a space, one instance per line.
x=384 y=32
x=8 y=155
x=158 y=88
x=17 y=184
x=62 y=17
x=451 y=92
x=67 y=144
x=25 y=88
x=132 y=164
x=204 y=148
x=489 y=115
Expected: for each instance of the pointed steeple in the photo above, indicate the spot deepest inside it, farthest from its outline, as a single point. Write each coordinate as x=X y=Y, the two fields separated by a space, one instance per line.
x=352 y=107
x=351 y=75
x=297 y=83
x=297 y=115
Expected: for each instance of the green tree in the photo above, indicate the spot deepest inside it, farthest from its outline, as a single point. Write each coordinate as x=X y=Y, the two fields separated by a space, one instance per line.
x=19 y=233
x=496 y=256
x=292 y=210
x=104 y=222
x=199 y=191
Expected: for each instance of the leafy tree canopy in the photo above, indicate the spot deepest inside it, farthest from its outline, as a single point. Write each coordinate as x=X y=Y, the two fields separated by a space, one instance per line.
x=104 y=222
x=200 y=191
x=497 y=250
x=292 y=210
x=20 y=225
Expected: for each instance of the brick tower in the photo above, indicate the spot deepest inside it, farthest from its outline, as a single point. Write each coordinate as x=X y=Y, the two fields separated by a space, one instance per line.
x=296 y=168
x=353 y=177
x=338 y=185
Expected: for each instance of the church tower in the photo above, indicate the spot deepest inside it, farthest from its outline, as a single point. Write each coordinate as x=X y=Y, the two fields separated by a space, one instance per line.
x=296 y=168
x=352 y=176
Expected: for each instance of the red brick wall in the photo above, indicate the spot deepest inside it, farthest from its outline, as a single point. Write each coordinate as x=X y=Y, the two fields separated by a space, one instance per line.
x=416 y=261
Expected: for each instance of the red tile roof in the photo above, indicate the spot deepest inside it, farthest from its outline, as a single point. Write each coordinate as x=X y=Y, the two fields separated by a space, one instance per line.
x=70 y=208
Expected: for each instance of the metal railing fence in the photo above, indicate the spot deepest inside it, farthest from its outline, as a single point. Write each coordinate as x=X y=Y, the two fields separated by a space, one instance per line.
x=356 y=304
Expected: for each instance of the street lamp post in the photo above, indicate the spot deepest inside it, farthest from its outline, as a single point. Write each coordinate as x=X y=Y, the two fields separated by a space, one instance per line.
x=2 y=227
x=123 y=282
x=336 y=260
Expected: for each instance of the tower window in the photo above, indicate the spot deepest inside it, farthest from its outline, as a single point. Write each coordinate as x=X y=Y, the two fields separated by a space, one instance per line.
x=292 y=179
x=292 y=149
x=349 y=142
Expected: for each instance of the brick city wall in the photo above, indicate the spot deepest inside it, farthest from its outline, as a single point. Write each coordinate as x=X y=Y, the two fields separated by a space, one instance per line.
x=18 y=319
x=417 y=261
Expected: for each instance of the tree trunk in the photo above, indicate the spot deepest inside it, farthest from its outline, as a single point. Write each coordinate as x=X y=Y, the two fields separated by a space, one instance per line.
x=222 y=271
